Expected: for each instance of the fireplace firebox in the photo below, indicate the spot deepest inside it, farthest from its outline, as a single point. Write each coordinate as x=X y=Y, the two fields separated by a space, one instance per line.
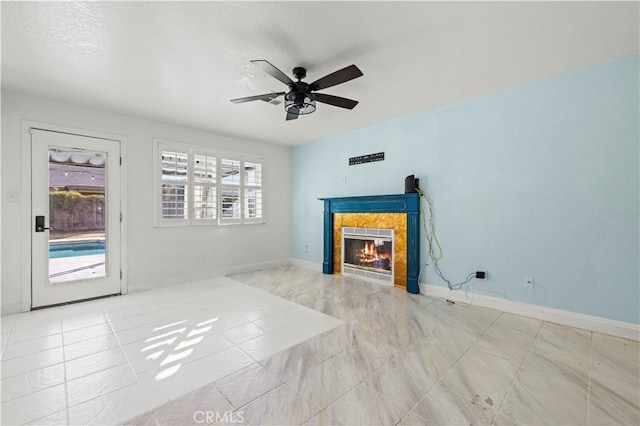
x=368 y=253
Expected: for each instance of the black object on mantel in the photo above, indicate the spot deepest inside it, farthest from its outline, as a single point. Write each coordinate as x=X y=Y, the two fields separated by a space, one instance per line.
x=411 y=184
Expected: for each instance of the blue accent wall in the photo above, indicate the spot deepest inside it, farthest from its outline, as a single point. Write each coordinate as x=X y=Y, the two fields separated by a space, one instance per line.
x=539 y=180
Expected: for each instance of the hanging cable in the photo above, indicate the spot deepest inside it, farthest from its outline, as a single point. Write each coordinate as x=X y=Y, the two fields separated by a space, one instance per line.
x=433 y=244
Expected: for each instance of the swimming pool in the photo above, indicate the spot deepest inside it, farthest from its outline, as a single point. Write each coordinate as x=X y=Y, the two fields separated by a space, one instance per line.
x=59 y=249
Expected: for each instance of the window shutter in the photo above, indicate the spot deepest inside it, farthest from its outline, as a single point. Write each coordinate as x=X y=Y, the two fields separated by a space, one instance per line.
x=174 y=190
x=197 y=186
x=205 y=190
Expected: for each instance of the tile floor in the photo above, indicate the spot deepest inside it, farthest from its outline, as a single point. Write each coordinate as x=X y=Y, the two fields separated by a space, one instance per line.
x=108 y=360
x=294 y=346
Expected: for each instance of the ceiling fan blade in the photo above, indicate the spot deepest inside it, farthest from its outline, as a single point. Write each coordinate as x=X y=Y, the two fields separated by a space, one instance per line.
x=338 y=77
x=292 y=115
x=267 y=97
x=335 y=100
x=273 y=71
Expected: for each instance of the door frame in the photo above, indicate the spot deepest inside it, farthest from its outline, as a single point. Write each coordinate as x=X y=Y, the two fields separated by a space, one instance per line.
x=26 y=214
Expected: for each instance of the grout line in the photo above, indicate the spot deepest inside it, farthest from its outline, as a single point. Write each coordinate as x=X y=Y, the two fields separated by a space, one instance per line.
x=30 y=371
x=589 y=381
x=29 y=340
x=437 y=382
x=66 y=395
x=59 y=411
x=515 y=376
x=32 y=353
x=64 y=367
x=490 y=325
x=35 y=391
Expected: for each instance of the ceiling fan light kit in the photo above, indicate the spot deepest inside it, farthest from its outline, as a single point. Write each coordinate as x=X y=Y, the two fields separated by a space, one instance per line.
x=300 y=99
x=299 y=103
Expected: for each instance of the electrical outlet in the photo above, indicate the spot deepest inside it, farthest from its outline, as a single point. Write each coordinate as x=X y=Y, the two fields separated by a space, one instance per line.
x=203 y=257
x=343 y=179
x=528 y=281
x=306 y=249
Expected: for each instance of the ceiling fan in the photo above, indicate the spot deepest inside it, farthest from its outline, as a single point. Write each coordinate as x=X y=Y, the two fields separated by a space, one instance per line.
x=301 y=99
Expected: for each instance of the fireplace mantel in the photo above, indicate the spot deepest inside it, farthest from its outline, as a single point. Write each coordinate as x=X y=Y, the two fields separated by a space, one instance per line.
x=399 y=203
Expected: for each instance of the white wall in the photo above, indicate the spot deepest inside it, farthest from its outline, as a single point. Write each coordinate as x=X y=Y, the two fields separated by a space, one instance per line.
x=156 y=256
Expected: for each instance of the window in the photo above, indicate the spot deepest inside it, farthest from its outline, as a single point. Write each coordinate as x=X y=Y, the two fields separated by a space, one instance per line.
x=199 y=186
x=205 y=187
x=230 y=190
x=174 y=185
x=252 y=191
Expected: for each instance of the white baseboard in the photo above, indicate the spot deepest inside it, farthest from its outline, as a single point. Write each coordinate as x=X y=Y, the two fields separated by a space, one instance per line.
x=251 y=267
x=11 y=308
x=306 y=264
x=586 y=322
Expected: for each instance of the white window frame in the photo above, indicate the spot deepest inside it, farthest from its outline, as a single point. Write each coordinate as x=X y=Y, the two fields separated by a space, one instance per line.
x=161 y=145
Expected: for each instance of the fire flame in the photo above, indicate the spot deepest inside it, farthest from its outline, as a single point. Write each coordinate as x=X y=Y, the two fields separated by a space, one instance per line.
x=369 y=254
x=370 y=249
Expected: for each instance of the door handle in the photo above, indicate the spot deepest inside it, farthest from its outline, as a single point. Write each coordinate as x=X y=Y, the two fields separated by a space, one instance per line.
x=40 y=224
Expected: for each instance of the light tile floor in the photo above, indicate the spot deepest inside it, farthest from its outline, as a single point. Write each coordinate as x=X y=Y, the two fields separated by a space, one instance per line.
x=413 y=360
x=394 y=358
x=108 y=360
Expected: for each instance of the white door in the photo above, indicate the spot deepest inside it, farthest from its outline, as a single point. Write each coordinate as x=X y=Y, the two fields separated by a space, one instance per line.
x=75 y=217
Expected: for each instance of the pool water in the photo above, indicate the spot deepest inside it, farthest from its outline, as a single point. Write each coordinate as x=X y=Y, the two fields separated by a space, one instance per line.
x=59 y=249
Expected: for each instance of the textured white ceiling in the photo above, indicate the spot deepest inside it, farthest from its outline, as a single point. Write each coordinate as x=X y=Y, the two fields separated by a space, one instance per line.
x=181 y=62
